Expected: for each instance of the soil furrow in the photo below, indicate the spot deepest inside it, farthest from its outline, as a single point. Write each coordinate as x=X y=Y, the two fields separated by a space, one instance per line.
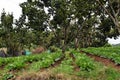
x=105 y=61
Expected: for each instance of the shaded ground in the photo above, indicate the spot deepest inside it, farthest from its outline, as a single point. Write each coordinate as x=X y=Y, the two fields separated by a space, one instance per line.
x=46 y=75
x=105 y=61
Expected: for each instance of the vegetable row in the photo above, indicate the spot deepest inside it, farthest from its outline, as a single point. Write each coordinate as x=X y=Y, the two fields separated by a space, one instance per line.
x=42 y=60
x=112 y=53
x=83 y=61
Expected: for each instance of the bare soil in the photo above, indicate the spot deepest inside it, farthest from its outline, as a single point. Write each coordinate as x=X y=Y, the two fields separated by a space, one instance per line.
x=105 y=61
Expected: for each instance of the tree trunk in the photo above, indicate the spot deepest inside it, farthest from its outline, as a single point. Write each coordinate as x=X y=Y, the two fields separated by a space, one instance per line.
x=63 y=46
x=13 y=50
x=76 y=43
x=65 y=40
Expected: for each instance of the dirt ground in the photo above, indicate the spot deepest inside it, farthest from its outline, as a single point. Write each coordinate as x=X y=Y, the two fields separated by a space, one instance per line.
x=105 y=61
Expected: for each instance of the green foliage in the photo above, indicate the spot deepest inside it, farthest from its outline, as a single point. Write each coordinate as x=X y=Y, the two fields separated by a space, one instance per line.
x=89 y=69
x=54 y=49
x=112 y=74
x=107 y=45
x=33 y=58
x=37 y=21
x=8 y=34
x=112 y=53
x=15 y=65
x=67 y=62
x=5 y=61
x=42 y=64
x=69 y=21
x=47 y=61
x=65 y=67
x=82 y=20
x=7 y=76
x=84 y=62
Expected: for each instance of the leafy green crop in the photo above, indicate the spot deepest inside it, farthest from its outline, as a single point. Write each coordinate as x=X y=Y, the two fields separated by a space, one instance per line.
x=65 y=66
x=46 y=61
x=84 y=62
x=15 y=66
x=7 y=76
x=5 y=61
x=112 y=53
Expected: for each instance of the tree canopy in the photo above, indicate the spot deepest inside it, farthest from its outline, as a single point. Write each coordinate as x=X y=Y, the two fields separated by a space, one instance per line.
x=61 y=23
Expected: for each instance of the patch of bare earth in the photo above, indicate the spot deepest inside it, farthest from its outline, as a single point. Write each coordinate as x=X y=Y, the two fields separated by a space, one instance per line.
x=2 y=67
x=45 y=75
x=105 y=61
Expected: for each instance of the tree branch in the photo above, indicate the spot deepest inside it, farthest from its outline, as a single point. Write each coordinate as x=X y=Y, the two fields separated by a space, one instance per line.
x=110 y=4
x=118 y=11
x=106 y=10
x=115 y=20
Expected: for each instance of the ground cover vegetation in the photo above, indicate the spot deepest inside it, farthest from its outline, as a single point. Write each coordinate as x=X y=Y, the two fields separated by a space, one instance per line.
x=74 y=66
x=112 y=53
x=70 y=37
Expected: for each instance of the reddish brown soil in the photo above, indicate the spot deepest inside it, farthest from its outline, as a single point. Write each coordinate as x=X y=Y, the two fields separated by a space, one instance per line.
x=2 y=67
x=76 y=68
x=105 y=61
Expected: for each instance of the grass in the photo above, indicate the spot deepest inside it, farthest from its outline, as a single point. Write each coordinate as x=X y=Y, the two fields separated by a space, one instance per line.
x=30 y=67
x=65 y=67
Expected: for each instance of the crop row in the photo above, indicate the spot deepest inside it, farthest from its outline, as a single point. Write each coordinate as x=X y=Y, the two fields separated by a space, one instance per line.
x=46 y=62
x=83 y=61
x=112 y=53
x=31 y=58
x=20 y=62
x=65 y=66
